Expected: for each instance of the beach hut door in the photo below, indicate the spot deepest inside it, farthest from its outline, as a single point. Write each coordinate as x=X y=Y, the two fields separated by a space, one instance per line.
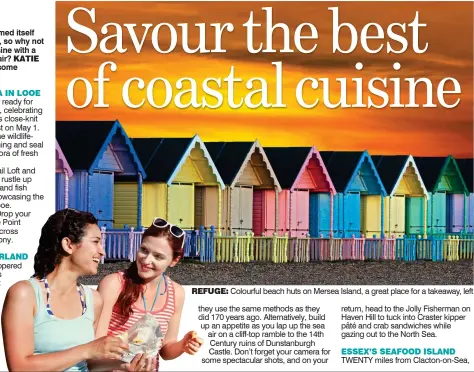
x=438 y=217
x=199 y=219
x=398 y=215
x=206 y=205
x=60 y=192
x=352 y=214
x=313 y=215
x=470 y=211
x=258 y=212
x=414 y=215
x=370 y=215
x=454 y=213
x=102 y=195
x=181 y=205
x=319 y=214
x=242 y=200
x=301 y=213
x=269 y=212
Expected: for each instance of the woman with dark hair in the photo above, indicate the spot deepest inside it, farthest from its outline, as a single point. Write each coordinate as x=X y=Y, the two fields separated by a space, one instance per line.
x=49 y=321
x=144 y=288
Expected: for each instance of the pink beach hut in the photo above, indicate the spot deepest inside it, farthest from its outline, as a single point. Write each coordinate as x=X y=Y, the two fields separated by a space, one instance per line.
x=303 y=178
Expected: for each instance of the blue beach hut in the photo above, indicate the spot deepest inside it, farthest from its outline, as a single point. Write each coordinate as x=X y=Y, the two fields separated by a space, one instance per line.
x=63 y=174
x=101 y=157
x=358 y=204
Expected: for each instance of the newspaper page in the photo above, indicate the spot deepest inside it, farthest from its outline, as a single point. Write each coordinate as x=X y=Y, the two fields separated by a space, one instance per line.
x=241 y=186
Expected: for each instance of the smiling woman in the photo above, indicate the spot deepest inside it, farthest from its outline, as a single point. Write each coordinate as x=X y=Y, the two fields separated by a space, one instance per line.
x=144 y=289
x=49 y=321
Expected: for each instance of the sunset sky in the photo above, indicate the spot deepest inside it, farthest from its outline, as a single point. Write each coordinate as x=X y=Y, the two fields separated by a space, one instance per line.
x=418 y=131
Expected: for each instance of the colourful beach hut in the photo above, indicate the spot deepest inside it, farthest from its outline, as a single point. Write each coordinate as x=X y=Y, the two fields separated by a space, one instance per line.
x=63 y=174
x=406 y=204
x=101 y=156
x=182 y=185
x=306 y=200
x=466 y=167
x=250 y=199
x=443 y=180
x=358 y=206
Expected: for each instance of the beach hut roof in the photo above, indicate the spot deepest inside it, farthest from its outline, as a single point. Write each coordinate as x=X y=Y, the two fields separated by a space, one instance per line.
x=466 y=167
x=287 y=162
x=164 y=157
x=232 y=157
x=228 y=157
x=433 y=168
x=343 y=167
x=391 y=169
x=290 y=162
x=84 y=142
x=62 y=158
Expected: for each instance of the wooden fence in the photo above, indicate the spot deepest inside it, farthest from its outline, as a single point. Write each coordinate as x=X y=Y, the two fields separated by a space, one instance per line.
x=207 y=246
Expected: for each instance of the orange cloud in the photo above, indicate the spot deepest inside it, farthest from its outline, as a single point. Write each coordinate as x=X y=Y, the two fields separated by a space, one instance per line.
x=419 y=131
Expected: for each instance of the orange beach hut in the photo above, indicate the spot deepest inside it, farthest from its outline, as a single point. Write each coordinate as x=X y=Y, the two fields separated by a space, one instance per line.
x=250 y=198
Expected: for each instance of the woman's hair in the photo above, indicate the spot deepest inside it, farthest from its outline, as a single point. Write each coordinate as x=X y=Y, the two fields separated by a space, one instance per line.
x=133 y=283
x=66 y=223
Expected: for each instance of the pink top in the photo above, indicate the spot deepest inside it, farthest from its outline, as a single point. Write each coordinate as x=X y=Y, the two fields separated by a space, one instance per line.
x=119 y=324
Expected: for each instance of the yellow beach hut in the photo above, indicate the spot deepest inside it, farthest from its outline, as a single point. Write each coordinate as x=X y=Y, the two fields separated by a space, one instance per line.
x=407 y=195
x=182 y=183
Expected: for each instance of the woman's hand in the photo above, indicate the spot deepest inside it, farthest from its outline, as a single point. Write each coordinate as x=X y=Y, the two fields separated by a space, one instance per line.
x=191 y=343
x=107 y=347
x=140 y=363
